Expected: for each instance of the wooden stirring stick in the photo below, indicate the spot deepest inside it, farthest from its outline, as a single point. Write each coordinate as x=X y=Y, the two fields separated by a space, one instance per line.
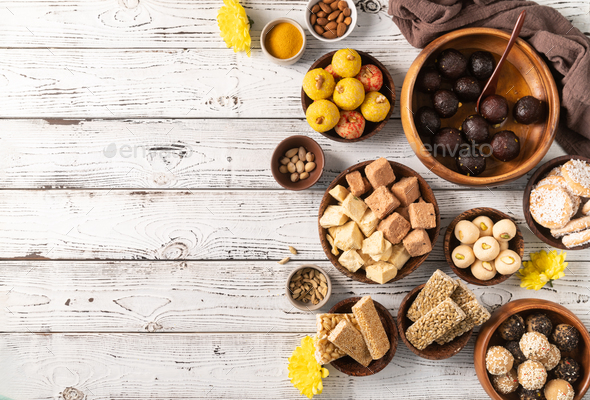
x=490 y=87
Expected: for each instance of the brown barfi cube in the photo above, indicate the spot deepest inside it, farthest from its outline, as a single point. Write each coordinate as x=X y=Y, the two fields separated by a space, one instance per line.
x=406 y=190
x=417 y=243
x=357 y=183
x=394 y=228
x=382 y=202
x=379 y=173
x=422 y=215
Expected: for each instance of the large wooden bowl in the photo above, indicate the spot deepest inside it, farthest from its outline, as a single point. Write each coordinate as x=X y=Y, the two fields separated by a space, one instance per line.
x=524 y=73
x=349 y=366
x=435 y=351
x=388 y=90
x=558 y=314
x=400 y=171
x=516 y=244
x=541 y=232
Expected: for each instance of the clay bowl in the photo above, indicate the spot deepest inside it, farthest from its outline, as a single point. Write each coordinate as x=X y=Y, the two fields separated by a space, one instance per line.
x=434 y=351
x=400 y=171
x=308 y=306
x=349 y=366
x=558 y=314
x=541 y=232
x=285 y=179
x=388 y=90
x=524 y=73
x=516 y=244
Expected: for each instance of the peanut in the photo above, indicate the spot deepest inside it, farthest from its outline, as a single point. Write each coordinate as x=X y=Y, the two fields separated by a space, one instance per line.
x=309 y=157
x=285 y=161
x=310 y=166
x=303 y=175
x=302 y=153
x=283 y=169
x=300 y=166
x=292 y=152
x=291 y=167
x=294 y=177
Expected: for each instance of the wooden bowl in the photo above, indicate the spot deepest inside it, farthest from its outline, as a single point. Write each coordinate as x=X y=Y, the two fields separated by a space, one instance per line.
x=349 y=366
x=524 y=73
x=558 y=315
x=435 y=351
x=516 y=244
x=388 y=90
x=400 y=171
x=541 y=232
x=285 y=179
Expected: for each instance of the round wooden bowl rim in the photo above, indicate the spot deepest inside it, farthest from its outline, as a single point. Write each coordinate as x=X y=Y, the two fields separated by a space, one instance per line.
x=416 y=142
x=386 y=359
x=516 y=306
x=543 y=169
x=386 y=77
x=274 y=169
x=459 y=343
x=463 y=272
x=404 y=271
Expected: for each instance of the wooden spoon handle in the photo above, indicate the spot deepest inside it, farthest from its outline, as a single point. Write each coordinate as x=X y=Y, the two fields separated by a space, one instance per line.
x=490 y=87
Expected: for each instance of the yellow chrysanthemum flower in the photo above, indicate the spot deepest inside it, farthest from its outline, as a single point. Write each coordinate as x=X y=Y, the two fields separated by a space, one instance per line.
x=234 y=26
x=544 y=267
x=305 y=372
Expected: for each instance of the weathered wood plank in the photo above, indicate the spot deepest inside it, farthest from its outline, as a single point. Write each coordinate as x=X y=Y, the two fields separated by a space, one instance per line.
x=190 y=224
x=181 y=366
x=183 y=23
x=185 y=153
x=166 y=296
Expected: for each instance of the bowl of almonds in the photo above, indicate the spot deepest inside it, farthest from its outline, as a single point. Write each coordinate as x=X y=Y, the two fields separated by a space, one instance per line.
x=330 y=20
x=308 y=287
x=297 y=162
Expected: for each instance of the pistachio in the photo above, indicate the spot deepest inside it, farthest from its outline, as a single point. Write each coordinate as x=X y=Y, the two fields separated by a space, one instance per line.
x=508 y=260
x=505 y=236
x=483 y=226
x=487 y=265
x=485 y=246
x=459 y=256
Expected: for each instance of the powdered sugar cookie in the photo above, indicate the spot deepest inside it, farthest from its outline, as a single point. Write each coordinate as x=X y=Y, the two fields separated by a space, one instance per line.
x=560 y=181
x=576 y=239
x=577 y=176
x=586 y=208
x=551 y=206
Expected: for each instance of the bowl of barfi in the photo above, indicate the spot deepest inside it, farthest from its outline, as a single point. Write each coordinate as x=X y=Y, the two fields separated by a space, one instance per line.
x=357 y=336
x=556 y=203
x=511 y=131
x=378 y=221
x=484 y=246
x=533 y=349
x=436 y=319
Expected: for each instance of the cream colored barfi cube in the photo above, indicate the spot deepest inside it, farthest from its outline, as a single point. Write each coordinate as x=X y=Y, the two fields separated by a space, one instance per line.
x=354 y=207
x=368 y=223
x=399 y=256
x=333 y=216
x=374 y=244
x=339 y=193
x=351 y=260
x=349 y=237
x=387 y=249
x=381 y=272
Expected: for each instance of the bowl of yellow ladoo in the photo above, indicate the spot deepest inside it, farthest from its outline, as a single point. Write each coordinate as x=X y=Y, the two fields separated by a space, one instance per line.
x=283 y=41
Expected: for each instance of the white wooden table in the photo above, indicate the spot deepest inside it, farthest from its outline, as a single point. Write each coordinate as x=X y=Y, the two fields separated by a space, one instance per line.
x=140 y=226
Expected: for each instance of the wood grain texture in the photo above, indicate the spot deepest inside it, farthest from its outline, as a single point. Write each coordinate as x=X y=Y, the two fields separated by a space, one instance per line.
x=221 y=366
x=195 y=225
x=184 y=23
x=180 y=153
x=226 y=296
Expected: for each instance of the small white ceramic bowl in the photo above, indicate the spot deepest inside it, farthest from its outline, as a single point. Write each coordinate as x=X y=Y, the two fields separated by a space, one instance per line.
x=280 y=61
x=353 y=15
x=308 y=306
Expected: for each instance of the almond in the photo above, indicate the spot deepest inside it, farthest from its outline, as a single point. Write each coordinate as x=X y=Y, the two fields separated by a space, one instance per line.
x=321 y=14
x=322 y=21
x=318 y=29
x=315 y=8
x=328 y=1
x=342 y=4
x=325 y=8
x=331 y=26
x=329 y=35
x=334 y=15
x=340 y=18
x=313 y=19
x=341 y=29
x=347 y=12
x=348 y=20
x=334 y=6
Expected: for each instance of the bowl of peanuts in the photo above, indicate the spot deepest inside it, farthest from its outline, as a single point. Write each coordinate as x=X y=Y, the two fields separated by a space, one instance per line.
x=330 y=20
x=297 y=162
x=308 y=287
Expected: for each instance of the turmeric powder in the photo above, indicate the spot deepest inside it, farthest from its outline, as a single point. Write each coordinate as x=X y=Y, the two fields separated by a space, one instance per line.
x=283 y=41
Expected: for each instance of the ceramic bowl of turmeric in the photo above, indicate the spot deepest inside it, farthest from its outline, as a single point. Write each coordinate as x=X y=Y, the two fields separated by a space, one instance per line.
x=283 y=41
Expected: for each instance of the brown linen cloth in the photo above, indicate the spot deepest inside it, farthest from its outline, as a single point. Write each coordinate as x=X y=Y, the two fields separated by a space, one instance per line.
x=550 y=33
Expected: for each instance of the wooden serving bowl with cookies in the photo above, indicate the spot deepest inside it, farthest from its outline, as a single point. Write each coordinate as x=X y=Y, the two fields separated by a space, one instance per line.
x=434 y=351
x=462 y=263
x=546 y=185
x=387 y=90
x=349 y=366
x=400 y=217
x=523 y=74
x=489 y=335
